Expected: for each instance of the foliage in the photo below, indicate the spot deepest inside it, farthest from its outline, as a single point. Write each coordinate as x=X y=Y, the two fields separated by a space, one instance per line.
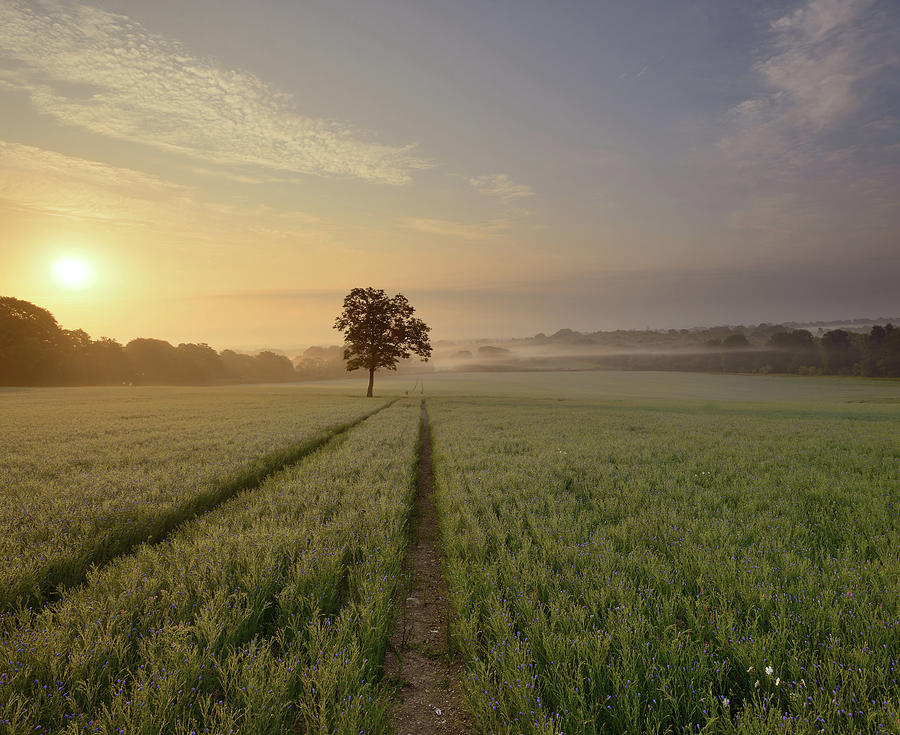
x=35 y=350
x=321 y=362
x=735 y=340
x=29 y=337
x=766 y=348
x=379 y=331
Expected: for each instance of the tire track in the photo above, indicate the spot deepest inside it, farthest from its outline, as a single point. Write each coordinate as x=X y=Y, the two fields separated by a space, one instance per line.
x=55 y=577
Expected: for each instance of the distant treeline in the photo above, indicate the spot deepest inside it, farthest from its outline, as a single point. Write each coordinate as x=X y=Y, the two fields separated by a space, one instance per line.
x=35 y=350
x=766 y=348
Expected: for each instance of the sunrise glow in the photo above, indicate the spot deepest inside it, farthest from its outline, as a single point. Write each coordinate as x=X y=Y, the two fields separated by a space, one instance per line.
x=513 y=169
x=72 y=272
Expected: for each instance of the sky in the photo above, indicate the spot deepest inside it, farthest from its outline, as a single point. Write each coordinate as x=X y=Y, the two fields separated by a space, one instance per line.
x=225 y=172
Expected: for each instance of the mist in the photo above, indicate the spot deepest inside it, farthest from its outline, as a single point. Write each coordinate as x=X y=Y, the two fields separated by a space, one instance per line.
x=860 y=346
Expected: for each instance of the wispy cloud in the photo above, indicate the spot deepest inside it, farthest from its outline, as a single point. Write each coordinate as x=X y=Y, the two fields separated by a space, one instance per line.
x=815 y=143
x=106 y=73
x=816 y=78
x=51 y=183
x=820 y=56
x=463 y=230
x=327 y=294
x=240 y=178
x=501 y=186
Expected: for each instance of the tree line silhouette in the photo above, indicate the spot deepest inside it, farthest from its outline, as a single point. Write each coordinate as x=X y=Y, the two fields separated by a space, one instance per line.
x=35 y=350
x=766 y=348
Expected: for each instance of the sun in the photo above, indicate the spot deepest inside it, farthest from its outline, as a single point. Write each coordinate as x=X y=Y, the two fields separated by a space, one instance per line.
x=72 y=272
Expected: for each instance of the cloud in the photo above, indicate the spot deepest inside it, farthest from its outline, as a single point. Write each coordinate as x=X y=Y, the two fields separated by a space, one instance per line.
x=812 y=153
x=818 y=18
x=818 y=77
x=37 y=180
x=239 y=178
x=44 y=181
x=819 y=59
x=465 y=231
x=103 y=72
x=322 y=294
x=501 y=186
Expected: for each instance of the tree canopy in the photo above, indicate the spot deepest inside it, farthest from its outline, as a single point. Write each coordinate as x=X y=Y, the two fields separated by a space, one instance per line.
x=36 y=350
x=29 y=336
x=379 y=331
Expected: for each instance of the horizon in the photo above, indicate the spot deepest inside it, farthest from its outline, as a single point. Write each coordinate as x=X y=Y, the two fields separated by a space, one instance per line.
x=859 y=322
x=225 y=174
x=297 y=348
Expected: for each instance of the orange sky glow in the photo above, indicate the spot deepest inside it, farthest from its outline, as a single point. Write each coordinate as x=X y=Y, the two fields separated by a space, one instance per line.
x=225 y=175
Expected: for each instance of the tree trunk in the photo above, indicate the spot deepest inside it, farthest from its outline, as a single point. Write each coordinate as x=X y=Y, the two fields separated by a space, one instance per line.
x=371 y=382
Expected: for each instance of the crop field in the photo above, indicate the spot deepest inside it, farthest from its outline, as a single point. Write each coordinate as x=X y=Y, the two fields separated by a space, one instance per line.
x=624 y=553
x=86 y=473
x=650 y=566
x=268 y=614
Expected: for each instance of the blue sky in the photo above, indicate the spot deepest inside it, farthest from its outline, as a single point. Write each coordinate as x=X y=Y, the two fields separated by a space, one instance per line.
x=230 y=170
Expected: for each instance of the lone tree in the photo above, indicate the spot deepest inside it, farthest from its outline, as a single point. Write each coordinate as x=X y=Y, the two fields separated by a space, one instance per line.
x=379 y=331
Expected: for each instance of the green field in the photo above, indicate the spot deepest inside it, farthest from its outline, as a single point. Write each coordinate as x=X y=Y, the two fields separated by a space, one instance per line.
x=88 y=472
x=269 y=613
x=625 y=552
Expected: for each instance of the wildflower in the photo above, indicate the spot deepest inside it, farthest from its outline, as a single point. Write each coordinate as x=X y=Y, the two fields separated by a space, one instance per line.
x=769 y=670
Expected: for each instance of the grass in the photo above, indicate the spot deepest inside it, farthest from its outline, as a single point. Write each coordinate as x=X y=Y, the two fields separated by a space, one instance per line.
x=88 y=473
x=673 y=566
x=631 y=386
x=268 y=614
x=624 y=552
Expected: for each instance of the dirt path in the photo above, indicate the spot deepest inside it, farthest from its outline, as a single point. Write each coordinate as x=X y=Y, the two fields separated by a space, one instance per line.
x=429 y=697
